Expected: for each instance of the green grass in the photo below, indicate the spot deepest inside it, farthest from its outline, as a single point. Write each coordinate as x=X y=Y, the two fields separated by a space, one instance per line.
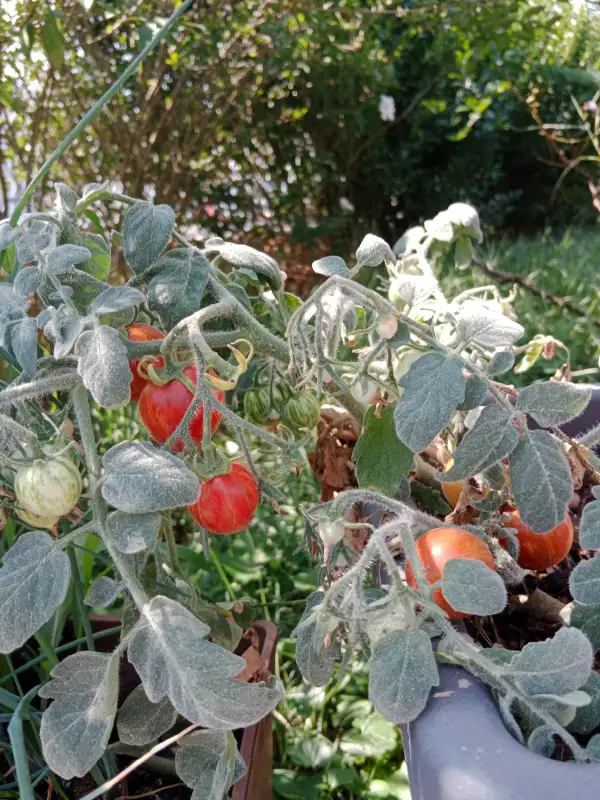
x=567 y=266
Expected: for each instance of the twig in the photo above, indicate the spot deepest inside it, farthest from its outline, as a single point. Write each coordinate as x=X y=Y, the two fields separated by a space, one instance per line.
x=505 y=277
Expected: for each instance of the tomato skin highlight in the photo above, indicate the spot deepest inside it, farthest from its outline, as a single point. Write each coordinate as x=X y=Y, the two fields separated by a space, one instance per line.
x=227 y=502
x=162 y=408
x=140 y=332
x=540 y=550
x=438 y=546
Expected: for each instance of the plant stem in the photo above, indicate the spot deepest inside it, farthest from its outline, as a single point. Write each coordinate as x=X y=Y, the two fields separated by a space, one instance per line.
x=46 y=645
x=94 y=111
x=171 y=543
x=82 y=609
x=222 y=574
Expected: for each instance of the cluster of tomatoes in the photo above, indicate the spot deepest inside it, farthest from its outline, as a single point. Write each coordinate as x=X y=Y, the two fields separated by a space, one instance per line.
x=537 y=551
x=227 y=502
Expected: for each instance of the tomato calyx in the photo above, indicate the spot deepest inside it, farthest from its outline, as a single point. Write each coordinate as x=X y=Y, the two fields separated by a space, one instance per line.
x=212 y=463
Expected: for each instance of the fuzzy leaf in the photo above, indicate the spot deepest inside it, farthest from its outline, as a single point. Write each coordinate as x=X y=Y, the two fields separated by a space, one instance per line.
x=412 y=289
x=176 y=291
x=382 y=460
x=482 y=323
x=330 y=265
x=541 y=480
x=172 y=657
x=587 y=619
x=27 y=247
x=23 y=343
x=541 y=741
x=584 y=582
x=104 y=366
x=209 y=763
x=8 y=234
x=99 y=263
x=433 y=387
x=589 y=530
x=116 y=298
x=146 y=232
x=244 y=257
x=587 y=717
x=132 y=533
x=501 y=362
x=505 y=709
x=27 y=280
x=592 y=749
x=373 y=250
x=492 y=429
x=472 y=587
x=463 y=252
x=403 y=670
x=34 y=580
x=77 y=725
x=65 y=256
x=553 y=402
x=140 y=478
x=476 y=391
x=141 y=722
x=554 y=666
x=85 y=289
x=314 y=659
x=103 y=592
x=66 y=335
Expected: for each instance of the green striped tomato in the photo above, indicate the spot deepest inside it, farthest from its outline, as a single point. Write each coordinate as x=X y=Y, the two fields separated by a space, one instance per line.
x=302 y=410
x=49 y=487
x=35 y=521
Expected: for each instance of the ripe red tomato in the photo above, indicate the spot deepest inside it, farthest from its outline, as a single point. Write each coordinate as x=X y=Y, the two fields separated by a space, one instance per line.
x=227 y=502
x=438 y=546
x=162 y=408
x=541 y=550
x=140 y=332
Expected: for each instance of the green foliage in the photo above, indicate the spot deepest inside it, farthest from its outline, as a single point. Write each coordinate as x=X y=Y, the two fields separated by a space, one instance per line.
x=382 y=460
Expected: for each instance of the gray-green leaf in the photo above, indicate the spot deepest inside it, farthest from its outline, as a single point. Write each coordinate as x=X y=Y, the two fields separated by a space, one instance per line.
x=587 y=619
x=330 y=265
x=484 y=324
x=33 y=582
x=77 y=725
x=382 y=460
x=176 y=290
x=140 y=722
x=244 y=257
x=23 y=343
x=65 y=256
x=132 y=533
x=471 y=586
x=104 y=366
x=209 y=763
x=584 y=582
x=146 y=232
x=433 y=387
x=140 y=478
x=554 y=666
x=373 y=250
x=553 y=402
x=492 y=429
x=116 y=298
x=172 y=657
x=27 y=280
x=587 y=717
x=314 y=659
x=541 y=480
x=66 y=334
x=589 y=529
x=476 y=390
x=103 y=592
x=541 y=741
x=403 y=670
x=501 y=362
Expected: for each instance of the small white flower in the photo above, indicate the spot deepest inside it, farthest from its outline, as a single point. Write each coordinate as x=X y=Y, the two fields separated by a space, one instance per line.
x=387 y=108
x=331 y=533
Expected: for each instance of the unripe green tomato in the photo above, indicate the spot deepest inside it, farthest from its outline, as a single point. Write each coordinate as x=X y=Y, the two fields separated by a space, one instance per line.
x=48 y=487
x=35 y=521
x=302 y=410
x=258 y=407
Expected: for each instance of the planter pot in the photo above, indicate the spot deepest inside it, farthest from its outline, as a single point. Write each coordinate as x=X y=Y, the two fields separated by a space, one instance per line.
x=459 y=748
x=255 y=743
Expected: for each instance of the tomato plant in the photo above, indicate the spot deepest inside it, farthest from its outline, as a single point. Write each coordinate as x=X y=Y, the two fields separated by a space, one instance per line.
x=162 y=408
x=540 y=550
x=436 y=547
x=227 y=502
x=140 y=332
